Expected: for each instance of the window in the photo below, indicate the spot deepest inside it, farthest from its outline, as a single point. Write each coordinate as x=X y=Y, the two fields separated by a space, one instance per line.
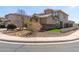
x=55 y=14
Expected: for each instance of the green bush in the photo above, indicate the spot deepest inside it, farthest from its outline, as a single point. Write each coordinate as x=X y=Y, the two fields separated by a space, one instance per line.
x=11 y=26
x=2 y=26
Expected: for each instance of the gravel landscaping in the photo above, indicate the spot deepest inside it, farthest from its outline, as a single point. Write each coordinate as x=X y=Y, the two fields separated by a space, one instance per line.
x=52 y=34
x=36 y=34
x=15 y=32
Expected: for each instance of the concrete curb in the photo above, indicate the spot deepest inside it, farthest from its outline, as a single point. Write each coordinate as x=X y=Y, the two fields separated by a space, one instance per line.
x=59 y=41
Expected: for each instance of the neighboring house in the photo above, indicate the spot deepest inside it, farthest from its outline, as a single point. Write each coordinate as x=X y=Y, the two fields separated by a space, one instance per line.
x=76 y=25
x=3 y=21
x=52 y=19
x=15 y=19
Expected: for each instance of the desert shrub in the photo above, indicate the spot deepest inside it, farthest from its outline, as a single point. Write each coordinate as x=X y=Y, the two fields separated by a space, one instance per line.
x=11 y=26
x=32 y=25
x=36 y=26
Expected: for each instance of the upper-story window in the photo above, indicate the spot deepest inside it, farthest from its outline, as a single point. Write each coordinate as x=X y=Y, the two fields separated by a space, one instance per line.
x=55 y=14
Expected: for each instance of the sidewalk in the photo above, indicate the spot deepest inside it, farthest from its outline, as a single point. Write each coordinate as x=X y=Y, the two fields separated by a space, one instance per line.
x=71 y=37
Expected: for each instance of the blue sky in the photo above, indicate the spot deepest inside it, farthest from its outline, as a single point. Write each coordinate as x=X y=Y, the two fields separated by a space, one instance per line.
x=72 y=11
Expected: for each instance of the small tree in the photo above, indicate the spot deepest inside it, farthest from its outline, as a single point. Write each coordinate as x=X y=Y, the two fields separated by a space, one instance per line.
x=28 y=24
x=22 y=15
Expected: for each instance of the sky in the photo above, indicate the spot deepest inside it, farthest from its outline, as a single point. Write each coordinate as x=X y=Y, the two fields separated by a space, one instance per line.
x=72 y=11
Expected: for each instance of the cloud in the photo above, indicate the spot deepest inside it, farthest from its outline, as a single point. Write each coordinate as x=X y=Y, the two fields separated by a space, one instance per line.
x=72 y=7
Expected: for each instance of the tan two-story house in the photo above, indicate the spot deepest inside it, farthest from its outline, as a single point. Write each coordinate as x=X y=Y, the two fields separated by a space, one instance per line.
x=53 y=19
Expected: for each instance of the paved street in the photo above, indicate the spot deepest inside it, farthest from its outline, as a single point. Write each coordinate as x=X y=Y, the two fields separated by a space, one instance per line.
x=67 y=47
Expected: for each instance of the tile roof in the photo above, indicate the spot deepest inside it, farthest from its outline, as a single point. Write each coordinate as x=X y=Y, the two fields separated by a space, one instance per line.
x=43 y=16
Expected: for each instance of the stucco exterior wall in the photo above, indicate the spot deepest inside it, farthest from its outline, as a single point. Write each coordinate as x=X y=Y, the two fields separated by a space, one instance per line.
x=63 y=17
x=50 y=20
x=43 y=20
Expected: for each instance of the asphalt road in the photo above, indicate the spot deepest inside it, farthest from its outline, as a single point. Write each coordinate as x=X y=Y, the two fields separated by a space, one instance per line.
x=67 y=47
